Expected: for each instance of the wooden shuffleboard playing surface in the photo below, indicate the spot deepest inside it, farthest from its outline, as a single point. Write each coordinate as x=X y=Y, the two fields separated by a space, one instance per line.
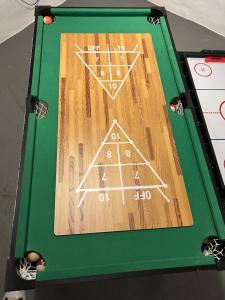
x=117 y=164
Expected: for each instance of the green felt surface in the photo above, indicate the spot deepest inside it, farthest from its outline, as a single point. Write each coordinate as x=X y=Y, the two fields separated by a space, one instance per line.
x=106 y=253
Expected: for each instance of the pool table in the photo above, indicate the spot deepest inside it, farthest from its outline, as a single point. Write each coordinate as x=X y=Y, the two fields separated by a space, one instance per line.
x=100 y=255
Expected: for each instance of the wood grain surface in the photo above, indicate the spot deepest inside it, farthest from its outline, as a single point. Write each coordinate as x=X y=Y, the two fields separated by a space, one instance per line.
x=117 y=164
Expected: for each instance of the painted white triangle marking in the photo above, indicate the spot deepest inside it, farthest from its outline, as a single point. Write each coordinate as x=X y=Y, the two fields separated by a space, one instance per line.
x=110 y=81
x=122 y=188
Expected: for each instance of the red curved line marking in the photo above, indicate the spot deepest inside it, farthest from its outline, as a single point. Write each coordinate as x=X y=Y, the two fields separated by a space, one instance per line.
x=220 y=109
x=204 y=65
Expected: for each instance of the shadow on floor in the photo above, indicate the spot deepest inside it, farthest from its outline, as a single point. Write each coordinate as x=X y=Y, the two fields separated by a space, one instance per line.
x=180 y=286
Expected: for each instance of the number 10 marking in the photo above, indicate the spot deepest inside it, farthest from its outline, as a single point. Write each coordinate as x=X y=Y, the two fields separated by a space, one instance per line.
x=115 y=136
x=103 y=197
x=112 y=86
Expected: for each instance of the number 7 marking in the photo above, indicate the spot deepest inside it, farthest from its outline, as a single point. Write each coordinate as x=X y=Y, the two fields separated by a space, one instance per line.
x=136 y=176
x=104 y=177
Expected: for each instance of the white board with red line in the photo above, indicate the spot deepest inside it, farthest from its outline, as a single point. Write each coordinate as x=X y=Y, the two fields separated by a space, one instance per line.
x=209 y=81
x=207 y=75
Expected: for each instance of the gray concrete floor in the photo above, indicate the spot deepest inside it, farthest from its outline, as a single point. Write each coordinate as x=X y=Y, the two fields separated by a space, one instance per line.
x=15 y=56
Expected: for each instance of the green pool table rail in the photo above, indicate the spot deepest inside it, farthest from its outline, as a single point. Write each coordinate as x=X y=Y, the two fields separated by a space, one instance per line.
x=108 y=253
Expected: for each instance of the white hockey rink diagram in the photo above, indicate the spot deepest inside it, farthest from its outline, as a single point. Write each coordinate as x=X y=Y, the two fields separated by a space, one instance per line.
x=117 y=152
x=209 y=80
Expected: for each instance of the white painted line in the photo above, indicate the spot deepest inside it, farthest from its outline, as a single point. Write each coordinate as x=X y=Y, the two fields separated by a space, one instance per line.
x=94 y=75
x=117 y=165
x=82 y=181
x=110 y=70
x=82 y=199
x=141 y=154
x=112 y=143
x=78 y=48
x=164 y=196
x=109 y=65
x=135 y=48
x=126 y=75
x=119 y=188
x=159 y=178
x=111 y=80
x=121 y=176
x=131 y=51
x=120 y=165
x=129 y=140
x=110 y=129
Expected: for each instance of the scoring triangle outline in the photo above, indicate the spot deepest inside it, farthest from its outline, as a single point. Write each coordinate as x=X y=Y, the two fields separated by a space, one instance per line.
x=122 y=188
x=113 y=97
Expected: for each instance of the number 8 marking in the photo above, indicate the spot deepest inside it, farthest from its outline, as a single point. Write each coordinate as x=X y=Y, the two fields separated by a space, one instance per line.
x=128 y=153
x=109 y=154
